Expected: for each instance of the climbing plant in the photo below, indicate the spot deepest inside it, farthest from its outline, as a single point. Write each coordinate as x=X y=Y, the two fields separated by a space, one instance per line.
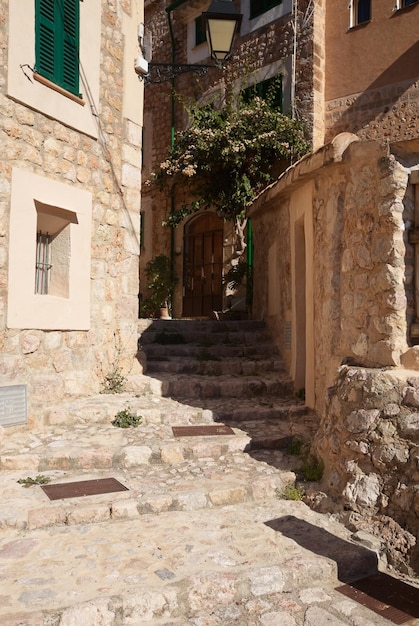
x=228 y=155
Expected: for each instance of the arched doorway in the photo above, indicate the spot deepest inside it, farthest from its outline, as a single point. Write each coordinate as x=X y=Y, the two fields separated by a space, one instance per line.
x=203 y=266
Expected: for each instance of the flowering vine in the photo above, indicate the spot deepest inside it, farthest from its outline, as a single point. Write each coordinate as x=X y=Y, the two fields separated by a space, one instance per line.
x=228 y=155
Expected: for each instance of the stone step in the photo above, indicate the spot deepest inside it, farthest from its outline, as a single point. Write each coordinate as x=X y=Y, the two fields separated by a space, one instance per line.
x=178 y=567
x=184 y=486
x=205 y=353
x=82 y=447
x=237 y=367
x=172 y=337
x=179 y=386
x=157 y=409
x=87 y=446
x=187 y=326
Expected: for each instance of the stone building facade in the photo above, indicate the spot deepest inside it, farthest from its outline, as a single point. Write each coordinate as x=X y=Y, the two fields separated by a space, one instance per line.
x=263 y=50
x=70 y=167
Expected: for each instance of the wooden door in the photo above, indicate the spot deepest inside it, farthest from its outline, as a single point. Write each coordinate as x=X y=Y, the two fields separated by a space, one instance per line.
x=203 y=266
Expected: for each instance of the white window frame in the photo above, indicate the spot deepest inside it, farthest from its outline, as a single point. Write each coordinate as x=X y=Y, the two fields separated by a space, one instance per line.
x=353 y=8
x=60 y=310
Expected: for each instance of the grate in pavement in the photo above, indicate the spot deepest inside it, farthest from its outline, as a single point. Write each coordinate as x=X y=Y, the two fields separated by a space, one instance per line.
x=202 y=431
x=81 y=488
x=389 y=597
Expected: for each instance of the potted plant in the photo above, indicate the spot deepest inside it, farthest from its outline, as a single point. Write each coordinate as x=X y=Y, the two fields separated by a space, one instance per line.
x=161 y=283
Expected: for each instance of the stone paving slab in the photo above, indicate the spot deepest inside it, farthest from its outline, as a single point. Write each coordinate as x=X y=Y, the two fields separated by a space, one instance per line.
x=229 y=566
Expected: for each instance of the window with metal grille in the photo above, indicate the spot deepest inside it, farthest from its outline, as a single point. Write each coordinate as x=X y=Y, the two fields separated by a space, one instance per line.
x=57 y=42
x=257 y=7
x=43 y=265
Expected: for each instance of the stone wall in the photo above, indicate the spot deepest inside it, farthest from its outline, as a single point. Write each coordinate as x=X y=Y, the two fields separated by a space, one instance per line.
x=369 y=442
x=61 y=363
x=389 y=113
x=359 y=264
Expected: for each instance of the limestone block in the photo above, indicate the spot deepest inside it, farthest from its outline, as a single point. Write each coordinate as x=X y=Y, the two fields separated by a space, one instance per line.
x=155 y=503
x=277 y=617
x=361 y=420
x=41 y=518
x=214 y=589
x=136 y=455
x=410 y=358
x=89 y=514
x=20 y=461
x=317 y=616
x=190 y=501
x=146 y=605
x=222 y=497
x=360 y=347
x=131 y=176
x=172 y=453
x=98 y=612
x=364 y=490
x=125 y=509
x=409 y=425
x=390 y=455
x=30 y=340
x=206 y=449
x=411 y=397
x=266 y=580
x=384 y=353
x=134 y=133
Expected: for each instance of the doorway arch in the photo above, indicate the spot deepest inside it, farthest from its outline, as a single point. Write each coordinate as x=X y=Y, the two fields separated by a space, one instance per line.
x=203 y=265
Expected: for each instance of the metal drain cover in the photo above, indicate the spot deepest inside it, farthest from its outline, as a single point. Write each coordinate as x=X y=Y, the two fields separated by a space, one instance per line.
x=83 y=488
x=202 y=431
x=389 y=597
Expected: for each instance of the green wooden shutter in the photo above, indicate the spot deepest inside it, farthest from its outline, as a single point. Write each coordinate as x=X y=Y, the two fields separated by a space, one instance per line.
x=44 y=38
x=57 y=42
x=70 y=58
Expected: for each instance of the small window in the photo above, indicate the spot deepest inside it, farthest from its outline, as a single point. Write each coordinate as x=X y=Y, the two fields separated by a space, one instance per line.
x=53 y=248
x=270 y=89
x=200 y=34
x=57 y=42
x=407 y=3
x=257 y=7
x=361 y=12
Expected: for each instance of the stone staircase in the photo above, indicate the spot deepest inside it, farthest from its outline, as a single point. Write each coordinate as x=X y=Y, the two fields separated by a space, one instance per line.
x=202 y=535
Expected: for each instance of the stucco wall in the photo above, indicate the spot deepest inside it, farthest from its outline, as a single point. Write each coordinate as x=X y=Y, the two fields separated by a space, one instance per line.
x=357 y=262
x=98 y=159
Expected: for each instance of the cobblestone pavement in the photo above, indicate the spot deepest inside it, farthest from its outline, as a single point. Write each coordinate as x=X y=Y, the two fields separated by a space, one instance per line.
x=202 y=537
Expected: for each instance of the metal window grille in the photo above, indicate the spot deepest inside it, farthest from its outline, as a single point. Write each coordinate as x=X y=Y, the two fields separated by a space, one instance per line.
x=43 y=265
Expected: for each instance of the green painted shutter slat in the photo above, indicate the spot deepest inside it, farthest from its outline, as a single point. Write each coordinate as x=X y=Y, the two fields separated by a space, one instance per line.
x=45 y=36
x=70 y=67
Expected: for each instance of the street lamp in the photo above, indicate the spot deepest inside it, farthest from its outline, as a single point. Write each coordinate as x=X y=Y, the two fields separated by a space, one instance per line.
x=221 y=20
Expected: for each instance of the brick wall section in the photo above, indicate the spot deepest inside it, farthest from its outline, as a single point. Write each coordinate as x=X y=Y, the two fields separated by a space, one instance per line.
x=65 y=363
